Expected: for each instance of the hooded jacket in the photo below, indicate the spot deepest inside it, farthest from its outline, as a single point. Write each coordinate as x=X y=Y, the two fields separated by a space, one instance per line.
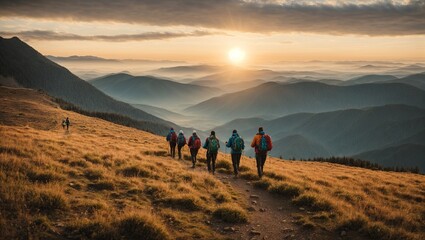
x=230 y=143
x=257 y=139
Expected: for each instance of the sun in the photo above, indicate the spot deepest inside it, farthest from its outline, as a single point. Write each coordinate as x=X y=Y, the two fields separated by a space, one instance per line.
x=236 y=56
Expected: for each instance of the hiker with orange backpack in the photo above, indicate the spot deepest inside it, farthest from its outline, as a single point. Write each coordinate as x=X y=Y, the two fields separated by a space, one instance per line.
x=194 y=144
x=262 y=144
x=237 y=145
x=172 y=139
x=212 y=144
x=181 y=141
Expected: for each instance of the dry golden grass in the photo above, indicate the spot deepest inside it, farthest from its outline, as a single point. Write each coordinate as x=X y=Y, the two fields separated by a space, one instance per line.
x=99 y=179
x=86 y=182
x=382 y=205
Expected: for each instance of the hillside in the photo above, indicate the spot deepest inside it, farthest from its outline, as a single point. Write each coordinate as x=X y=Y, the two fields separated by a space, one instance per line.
x=275 y=100
x=368 y=79
x=152 y=91
x=100 y=180
x=405 y=155
x=340 y=133
x=28 y=68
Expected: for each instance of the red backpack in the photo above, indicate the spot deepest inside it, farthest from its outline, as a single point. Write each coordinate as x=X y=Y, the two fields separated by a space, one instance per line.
x=196 y=143
x=173 y=137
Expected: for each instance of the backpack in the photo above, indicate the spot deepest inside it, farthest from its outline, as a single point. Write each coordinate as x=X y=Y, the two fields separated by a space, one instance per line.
x=237 y=144
x=173 y=137
x=213 y=145
x=180 y=140
x=263 y=146
x=196 y=142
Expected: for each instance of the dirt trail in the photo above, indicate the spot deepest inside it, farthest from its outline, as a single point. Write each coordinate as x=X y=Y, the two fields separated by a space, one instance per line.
x=270 y=216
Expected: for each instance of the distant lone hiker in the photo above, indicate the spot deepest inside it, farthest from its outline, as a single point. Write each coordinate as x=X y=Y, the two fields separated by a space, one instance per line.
x=194 y=144
x=212 y=144
x=237 y=145
x=67 y=122
x=181 y=141
x=63 y=123
x=262 y=144
x=172 y=139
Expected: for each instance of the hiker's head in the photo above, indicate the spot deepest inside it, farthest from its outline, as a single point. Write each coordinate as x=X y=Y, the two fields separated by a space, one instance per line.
x=181 y=131
x=260 y=129
x=194 y=133
x=212 y=133
x=171 y=129
x=234 y=131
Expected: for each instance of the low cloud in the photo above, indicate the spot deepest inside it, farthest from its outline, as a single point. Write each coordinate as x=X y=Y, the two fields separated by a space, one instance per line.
x=374 y=17
x=59 y=36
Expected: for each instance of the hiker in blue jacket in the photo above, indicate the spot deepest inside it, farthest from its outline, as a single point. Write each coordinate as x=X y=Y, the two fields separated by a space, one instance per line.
x=212 y=144
x=237 y=145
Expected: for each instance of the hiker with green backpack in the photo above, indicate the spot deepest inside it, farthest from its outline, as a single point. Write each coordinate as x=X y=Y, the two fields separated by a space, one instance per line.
x=237 y=145
x=262 y=144
x=212 y=144
x=181 y=141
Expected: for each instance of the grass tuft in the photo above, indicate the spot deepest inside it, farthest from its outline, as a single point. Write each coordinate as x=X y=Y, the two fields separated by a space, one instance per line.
x=231 y=214
x=263 y=183
x=182 y=202
x=102 y=185
x=313 y=202
x=93 y=174
x=249 y=176
x=223 y=164
x=285 y=189
x=46 y=201
x=135 y=171
x=39 y=176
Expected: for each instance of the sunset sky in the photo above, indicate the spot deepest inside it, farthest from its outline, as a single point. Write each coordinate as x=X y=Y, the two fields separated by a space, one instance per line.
x=205 y=31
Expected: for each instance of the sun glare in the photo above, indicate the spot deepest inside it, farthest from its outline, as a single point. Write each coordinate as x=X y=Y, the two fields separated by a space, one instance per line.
x=236 y=56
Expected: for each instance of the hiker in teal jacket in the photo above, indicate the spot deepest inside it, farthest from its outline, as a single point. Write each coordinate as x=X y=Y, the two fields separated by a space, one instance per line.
x=237 y=145
x=212 y=144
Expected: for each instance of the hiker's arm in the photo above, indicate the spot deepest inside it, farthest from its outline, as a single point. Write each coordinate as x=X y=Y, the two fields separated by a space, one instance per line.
x=253 y=143
x=229 y=143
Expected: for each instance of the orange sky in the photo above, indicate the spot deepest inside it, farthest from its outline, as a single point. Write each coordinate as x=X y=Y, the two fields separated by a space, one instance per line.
x=208 y=41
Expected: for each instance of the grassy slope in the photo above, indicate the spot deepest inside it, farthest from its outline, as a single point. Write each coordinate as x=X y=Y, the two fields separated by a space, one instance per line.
x=97 y=176
x=84 y=177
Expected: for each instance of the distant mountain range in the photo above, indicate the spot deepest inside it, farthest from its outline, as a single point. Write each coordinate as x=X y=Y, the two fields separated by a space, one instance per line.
x=273 y=99
x=80 y=59
x=28 y=68
x=352 y=132
x=152 y=91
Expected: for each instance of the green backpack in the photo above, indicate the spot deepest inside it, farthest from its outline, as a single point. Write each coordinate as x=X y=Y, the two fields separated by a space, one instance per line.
x=213 y=145
x=237 y=144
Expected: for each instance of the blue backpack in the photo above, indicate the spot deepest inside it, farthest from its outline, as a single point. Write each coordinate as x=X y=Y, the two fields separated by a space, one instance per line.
x=263 y=144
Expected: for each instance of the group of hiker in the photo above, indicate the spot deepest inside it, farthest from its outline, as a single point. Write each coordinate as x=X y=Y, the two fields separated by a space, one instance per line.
x=66 y=123
x=261 y=142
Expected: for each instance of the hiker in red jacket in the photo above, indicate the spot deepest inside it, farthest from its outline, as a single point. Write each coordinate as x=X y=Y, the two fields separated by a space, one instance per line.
x=194 y=144
x=172 y=139
x=262 y=144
